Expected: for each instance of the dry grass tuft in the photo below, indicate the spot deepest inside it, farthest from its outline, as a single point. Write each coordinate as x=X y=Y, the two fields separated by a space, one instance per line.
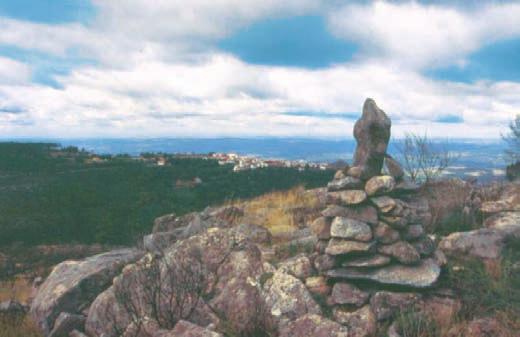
x=280 y=212
x=18 y=326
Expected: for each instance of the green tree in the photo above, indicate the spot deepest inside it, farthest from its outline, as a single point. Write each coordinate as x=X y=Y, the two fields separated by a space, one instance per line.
x=512 y=138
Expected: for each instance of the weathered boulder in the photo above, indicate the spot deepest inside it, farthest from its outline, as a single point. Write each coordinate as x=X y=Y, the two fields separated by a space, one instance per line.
x=371 y=261
x=348 y=228
x=361 y=323
x=341 y=247
x=321 y=227
x=363 y=213
x=298 y=266
x=379 y=185
x=350 y=197
x=254 y=233
x=324 y=262
x=372 y=133
x=312 y=325
x=402 y=251
x=346 y=293
x=385 y=304
x=317 y=285
x=73 y=285
x=159 y=241
x=423 y=275
x=287 y=298
x=486 y=243
x=66 y=323
x=345 y=183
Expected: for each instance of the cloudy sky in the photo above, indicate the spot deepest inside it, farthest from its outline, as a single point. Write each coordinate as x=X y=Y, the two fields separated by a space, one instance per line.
x=206 y=68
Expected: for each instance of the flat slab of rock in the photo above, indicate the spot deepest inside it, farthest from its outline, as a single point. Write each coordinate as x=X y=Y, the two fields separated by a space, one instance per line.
x=73 y=285
x=402 y=251
x=351 y=197
x=346 y=183
x=340 y=247
x=422 y=275
x=363 y=213
x=368 y=261
x=347 y=228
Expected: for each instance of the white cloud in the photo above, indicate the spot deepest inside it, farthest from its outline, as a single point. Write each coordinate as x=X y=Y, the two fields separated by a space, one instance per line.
x=417 y=35
x=13 y=72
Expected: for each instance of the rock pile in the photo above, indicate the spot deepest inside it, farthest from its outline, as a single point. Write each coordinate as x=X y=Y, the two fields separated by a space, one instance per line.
x=371 y=229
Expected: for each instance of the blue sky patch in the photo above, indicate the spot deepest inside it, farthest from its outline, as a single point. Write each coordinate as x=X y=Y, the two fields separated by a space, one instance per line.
x=499 y=61
x=342 y=115
x=45 y=67
x=450 y=119
x=48 y=11
x=300 y=41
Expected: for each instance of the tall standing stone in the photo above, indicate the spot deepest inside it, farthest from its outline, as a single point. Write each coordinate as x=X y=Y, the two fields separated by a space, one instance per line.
x=372 y=133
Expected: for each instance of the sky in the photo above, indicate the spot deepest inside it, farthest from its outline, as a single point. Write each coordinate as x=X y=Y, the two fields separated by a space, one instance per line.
x=249 y=68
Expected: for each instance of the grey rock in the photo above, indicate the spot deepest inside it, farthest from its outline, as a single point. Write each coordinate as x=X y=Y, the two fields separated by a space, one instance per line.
x=397 y=222
x=324 y=262
x=385 y=234
x=423 y=275
x=372 y=133
x=363 y=213
x=402 y=251
x=372 y=261
x=385 y=204
x=414 y=232
x=425 y=246
x=254 y=233
x=73 y=285
x=159 y=241
x=312 y=325
x=321 y=227
x=346 y=183
x=345 y=293
x=361 y=323
x=188 y=329
x=385 y=304
x=350 y=197
x=347 y=228
x=379 y=185
x=341 y=247
x=298 y=266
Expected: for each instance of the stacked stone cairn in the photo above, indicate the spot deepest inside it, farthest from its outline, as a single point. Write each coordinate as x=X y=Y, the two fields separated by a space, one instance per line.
x=371 y=232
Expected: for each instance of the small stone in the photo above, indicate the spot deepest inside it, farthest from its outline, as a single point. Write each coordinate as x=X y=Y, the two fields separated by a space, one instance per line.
x=345 y=293
x=351 y=197
x=380 y=185
x=340 y=174
x=363 y=213
x=324 y=262
x=385 y=304
x=385 y=234
x=347 y=183
x=321 y=228
x=367 y=261
x=385 y=204
x=425 y=246
x=314 y=326
x=423 y=275
x=355 y=171
x=347 y=228
x=298 y=266
x=361 y=323
x=397 y=222
x=317 y=285
x=340 y=247
x=402 y=251
x=414 y=232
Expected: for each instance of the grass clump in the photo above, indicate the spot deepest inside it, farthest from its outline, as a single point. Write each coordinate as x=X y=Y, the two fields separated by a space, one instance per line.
x=415 y=324
x=18 y=326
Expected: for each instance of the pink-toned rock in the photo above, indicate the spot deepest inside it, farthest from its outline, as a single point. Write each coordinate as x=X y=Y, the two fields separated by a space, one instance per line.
x=346 y=293
x=314 y=326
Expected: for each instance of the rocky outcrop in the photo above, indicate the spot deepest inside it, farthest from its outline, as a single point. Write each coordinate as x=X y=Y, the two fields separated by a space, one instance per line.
x=73 y=285
x=372 y=133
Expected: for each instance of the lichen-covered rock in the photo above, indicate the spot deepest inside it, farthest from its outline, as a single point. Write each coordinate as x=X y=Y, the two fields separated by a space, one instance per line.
x=159 y=241
x=423 y=275
x=486 y=243
x=385 y=204
x=372 y=133
x=73 y=285
x=350 y=197
x=347 y=228
x=363 y=213
x=312 y=325
x=385 y=234
x=385 y=304
x=254 y=233
x=371 y=261
x=287 y=298
x=346 y=183
x=324 y=262
x=341 y=247
x=361 y=323
x=379 y=185
x=402 y=251
x=298 y=266
x=318 y=285
x=346 y=293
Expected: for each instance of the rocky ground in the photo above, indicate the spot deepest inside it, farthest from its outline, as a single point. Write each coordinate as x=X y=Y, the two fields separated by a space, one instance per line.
x=362 y=261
